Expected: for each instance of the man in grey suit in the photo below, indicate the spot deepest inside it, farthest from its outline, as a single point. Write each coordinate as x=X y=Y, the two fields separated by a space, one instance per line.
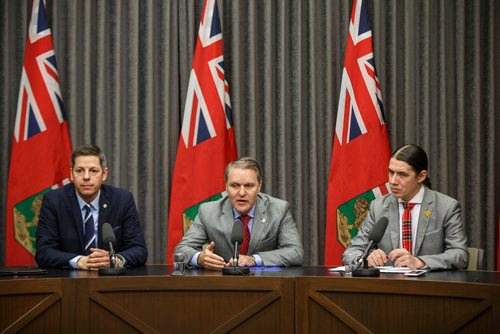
x=436 y=237
x=272 y=233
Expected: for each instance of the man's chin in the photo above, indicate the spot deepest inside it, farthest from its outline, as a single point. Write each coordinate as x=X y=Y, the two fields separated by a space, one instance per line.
x=242 y=209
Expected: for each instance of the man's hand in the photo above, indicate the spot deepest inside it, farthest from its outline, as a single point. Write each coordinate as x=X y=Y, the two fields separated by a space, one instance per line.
x=209 y=260
x=377 y=258
x=243 y=261
x=402 y=258
x=98 y=258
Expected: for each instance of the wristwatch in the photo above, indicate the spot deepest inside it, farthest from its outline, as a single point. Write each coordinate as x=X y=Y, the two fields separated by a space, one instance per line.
x=120 y=261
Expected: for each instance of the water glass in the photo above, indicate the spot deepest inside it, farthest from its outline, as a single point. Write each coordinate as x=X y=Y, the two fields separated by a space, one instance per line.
x=179 y=265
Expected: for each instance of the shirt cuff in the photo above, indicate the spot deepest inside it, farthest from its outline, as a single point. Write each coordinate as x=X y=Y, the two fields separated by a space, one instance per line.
x=258 y=260
x=194 y=260
x=73 y=262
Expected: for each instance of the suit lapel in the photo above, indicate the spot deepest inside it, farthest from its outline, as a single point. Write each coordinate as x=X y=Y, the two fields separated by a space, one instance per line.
x=259 y=224
x=226 y=220
x=394 y=221
x=424 y=217
x=76 y=213
x=104 y=204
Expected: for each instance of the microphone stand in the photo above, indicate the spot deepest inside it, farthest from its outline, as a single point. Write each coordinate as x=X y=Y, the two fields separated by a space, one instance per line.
x=235 y=269
x=113 y=270
x=366 y=271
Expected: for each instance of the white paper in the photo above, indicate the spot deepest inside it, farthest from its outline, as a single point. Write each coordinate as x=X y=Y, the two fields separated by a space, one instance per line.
x=394 y=270
x=340 y=269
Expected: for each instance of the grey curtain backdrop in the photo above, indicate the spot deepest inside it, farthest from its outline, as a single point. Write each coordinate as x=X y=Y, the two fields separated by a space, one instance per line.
x=124 y=69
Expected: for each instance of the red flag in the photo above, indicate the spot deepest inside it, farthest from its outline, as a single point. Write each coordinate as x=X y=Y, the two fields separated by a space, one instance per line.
x=206 y=143
x=361 y=150
x=41 y=147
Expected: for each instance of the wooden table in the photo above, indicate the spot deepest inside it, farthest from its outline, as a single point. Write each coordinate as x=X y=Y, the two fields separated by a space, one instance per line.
x=298 y=299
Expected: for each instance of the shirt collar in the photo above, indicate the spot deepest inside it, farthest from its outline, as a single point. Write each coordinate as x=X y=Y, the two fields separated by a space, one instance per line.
x=418 y=198
x=250 y=213
x=94 y=204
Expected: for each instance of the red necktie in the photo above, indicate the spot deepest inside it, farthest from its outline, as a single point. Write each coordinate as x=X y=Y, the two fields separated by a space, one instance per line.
x=406 y=227
x=245 y=219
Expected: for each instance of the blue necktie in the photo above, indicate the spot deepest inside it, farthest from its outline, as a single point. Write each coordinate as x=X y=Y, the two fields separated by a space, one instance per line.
x=89 y=229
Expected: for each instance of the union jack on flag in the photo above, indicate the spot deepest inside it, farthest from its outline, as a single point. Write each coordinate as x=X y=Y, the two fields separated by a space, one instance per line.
x=359 y=68
x=208 y=91
x=37 y=108
x=361 y=150
x=206 y=142
x=41 y=145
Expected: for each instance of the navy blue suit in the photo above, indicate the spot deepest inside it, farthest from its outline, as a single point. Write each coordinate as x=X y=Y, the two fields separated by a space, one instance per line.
x=60 y=236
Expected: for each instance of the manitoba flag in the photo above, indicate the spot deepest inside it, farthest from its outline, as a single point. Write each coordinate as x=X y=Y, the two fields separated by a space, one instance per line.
x=41 y=146
x=361 y=151
x=206 y=143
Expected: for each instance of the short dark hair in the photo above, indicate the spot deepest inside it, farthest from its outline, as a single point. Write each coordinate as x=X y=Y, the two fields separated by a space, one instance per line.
x=244 y=163
x=414 y=156
x=86 y=150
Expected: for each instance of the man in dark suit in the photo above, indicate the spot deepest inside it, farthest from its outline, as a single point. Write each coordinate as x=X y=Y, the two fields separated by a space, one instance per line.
x=273 y=239
x=432 y=236
x=71 y=218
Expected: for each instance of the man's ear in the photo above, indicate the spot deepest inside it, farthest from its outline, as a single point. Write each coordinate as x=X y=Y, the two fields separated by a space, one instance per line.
x=422 y=176
x=104 y=174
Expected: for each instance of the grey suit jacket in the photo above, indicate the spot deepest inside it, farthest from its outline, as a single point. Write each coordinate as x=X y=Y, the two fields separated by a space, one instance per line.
x=274 y=235
x=440 y=242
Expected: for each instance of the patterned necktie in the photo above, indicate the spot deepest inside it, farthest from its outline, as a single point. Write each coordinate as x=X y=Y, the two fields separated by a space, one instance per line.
x=89 y=229
x=406 y=227
x=245 y=219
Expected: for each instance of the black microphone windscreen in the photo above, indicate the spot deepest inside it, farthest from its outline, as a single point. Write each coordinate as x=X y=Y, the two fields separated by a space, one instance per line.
x=378 y=230
x=237 y=233
x=107 y=234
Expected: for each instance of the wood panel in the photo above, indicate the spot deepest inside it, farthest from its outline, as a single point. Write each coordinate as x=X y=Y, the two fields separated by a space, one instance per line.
x=187 y=304
x=37 y=306
x=405 y=305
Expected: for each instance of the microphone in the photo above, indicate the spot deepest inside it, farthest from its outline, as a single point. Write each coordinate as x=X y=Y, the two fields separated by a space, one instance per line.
x=236 y=239
x=108 y=238
x=374 y=238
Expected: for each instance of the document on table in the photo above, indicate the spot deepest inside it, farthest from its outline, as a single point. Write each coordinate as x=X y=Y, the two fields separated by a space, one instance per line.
x=339 y=269
x=394 y=270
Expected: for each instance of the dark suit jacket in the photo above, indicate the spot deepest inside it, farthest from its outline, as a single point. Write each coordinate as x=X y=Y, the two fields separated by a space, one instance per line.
x=440 y=241
x=274 y=235
x=60 y=236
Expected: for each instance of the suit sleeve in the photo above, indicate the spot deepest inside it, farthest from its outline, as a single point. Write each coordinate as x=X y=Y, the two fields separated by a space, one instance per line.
x=132 y=244
x=48 y=243
x=289 y=251
x=194 y=239
x=455 y=254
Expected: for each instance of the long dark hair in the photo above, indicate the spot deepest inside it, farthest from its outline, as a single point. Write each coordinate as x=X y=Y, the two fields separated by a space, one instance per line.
x=414 y=156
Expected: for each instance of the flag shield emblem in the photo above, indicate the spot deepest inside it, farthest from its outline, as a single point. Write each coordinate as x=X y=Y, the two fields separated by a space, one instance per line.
x=350 y=215
x=26 y=220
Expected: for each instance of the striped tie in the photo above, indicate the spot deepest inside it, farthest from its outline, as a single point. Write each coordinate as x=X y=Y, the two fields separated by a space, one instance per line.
x=89 y=229
x=245 y=219
x=406 y=227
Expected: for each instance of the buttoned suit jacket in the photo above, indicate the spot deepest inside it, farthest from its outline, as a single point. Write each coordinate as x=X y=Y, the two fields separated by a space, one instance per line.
x=274 y=235
x=60 y=234
x=440 y=240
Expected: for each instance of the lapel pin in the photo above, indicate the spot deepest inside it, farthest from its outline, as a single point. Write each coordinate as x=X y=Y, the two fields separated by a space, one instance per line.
x=105 y=205
x=263 y=220
x=427 y=213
